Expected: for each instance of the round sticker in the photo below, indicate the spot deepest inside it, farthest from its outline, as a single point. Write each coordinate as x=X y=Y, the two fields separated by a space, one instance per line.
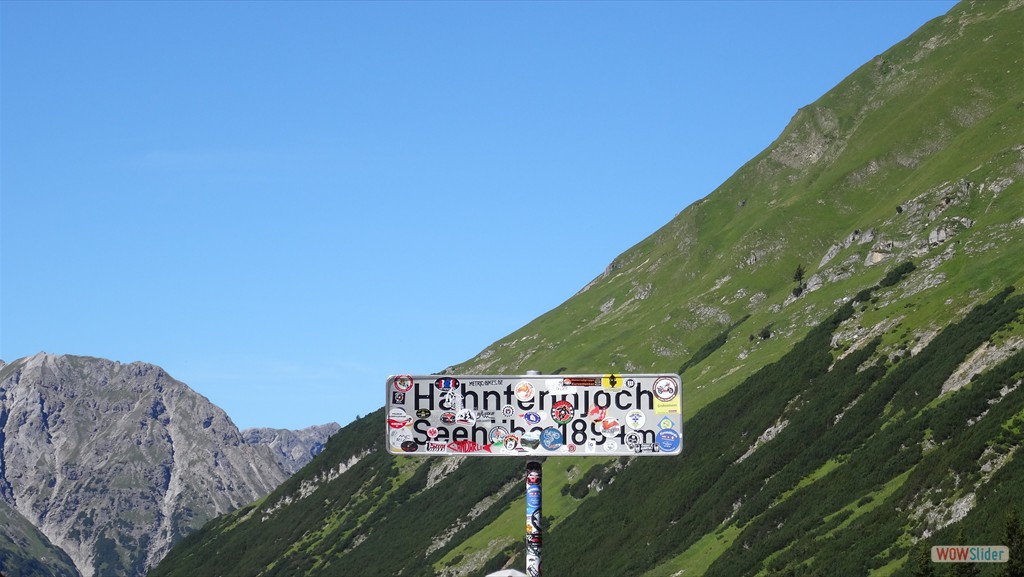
x=403 y=383
x=508 y=411
x=532 y=418
x=562 y=412
x=632 y=440
x=668 y=440
x=422 y=414
x=432 y=432
x=551 y=438
x=497 y=435
x=524 y=391
x=511 y=442
x=399 y=437
x=399 y=419
x=635 y=419
x=611 y=427
x=665 y=389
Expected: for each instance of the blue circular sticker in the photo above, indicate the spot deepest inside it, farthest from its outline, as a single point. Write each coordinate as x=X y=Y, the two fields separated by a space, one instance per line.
x=668 y=440
x=532 y=498
x=551 y=438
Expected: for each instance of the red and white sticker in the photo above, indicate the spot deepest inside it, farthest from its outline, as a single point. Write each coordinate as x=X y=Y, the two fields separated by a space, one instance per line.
x=399 y=419
x=403 y=383
x=665 y=389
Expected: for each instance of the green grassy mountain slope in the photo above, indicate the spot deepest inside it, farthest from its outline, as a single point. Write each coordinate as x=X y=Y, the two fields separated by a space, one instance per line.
x=858 y=180
x=25 y=552
x=843 y=313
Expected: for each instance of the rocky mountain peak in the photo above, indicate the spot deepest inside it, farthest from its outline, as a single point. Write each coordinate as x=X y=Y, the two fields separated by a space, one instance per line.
x=115 y=462
x=293 y=449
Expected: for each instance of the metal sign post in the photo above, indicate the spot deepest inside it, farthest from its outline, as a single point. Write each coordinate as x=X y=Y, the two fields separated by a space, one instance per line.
x=535 y=415
x=533 y=518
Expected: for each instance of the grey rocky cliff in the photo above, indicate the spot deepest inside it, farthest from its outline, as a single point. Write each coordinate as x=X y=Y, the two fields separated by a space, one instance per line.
x=116 y=462
x=293 y=449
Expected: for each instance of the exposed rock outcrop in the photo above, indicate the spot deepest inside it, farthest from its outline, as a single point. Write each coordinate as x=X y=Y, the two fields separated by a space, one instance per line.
x=116 y=462
x=293 y=449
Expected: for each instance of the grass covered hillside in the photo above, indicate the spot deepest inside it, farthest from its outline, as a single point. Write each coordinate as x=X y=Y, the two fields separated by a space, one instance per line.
x=26 y=552
x=847 y=314
x=916 y=155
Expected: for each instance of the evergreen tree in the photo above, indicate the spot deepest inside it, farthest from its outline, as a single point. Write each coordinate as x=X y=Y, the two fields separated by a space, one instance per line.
x=798 y=278
x=1013 y=538
x=922 y=562
x=964 y=569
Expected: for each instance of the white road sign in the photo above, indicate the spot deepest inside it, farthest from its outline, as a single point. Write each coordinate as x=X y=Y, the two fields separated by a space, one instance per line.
x=524 y=415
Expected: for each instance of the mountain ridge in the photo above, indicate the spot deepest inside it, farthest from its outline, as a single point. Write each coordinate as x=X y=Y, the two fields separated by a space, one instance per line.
x=115 y=462
x=293 y=448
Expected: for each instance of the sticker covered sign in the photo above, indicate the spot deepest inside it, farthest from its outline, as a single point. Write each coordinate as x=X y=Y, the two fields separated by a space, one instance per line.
x=509 y=415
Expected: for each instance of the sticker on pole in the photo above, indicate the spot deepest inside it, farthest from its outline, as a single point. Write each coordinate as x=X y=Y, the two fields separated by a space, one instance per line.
x=547 y=415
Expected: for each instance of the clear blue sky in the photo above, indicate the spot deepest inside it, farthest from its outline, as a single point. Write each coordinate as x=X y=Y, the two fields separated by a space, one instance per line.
x=283 y=203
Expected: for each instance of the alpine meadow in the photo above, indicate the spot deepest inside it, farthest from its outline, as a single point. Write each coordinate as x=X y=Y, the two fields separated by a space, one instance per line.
x=847 y=316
